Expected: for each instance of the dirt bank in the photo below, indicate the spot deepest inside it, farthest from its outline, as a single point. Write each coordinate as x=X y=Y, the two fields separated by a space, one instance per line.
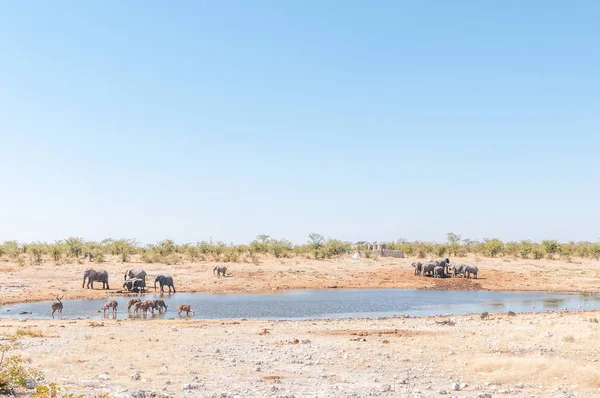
x=44 y=281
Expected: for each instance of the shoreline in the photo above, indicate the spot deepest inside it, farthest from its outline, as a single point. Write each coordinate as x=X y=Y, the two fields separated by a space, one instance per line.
x=530 y=354
x=83 y=296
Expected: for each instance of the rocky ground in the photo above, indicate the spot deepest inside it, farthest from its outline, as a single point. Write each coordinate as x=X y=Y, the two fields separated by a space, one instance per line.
x=527 y=355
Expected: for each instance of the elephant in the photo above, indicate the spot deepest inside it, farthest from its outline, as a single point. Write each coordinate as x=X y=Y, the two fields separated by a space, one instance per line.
x=438 y=272
x=418 y=268
x=220 y=270
x=164 y=280
x=470 y=269
x=136 y=273
x=428 y=268
x=134 y=284
x=111 y=304
x=95 y=276
x=457 y=270
x=184 y=308
x=445 y=262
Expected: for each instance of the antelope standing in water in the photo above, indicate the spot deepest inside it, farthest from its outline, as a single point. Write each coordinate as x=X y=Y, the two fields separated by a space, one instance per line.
x=57 y=307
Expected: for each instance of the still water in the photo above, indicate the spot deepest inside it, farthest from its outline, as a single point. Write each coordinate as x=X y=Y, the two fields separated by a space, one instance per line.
x=322 y=304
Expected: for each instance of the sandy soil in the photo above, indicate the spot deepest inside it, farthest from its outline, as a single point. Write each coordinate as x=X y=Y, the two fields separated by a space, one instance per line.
x=528 y=355
x=43 y=282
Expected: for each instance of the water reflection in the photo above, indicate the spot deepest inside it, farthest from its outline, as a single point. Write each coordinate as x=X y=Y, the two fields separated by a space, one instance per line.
x=317 y=304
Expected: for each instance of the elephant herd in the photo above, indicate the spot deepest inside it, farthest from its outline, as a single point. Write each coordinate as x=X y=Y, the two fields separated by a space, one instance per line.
x=442 y=269
x=135 y=280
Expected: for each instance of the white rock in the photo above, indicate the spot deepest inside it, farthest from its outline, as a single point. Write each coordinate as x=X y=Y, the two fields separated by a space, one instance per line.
x=455 y=386
x=104 y=377
x=30 y=383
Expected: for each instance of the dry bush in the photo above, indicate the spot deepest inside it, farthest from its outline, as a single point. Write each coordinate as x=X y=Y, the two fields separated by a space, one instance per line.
x=28 y=333
x=536 y=370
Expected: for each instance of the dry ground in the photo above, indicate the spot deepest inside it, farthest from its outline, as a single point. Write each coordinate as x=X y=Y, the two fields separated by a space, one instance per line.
x=44 y=281
x=529 y=355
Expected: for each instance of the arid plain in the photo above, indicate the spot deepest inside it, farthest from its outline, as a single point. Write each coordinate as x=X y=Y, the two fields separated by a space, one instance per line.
x=541 y=355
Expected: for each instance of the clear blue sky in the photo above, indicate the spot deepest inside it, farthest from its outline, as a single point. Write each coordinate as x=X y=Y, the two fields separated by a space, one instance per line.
x=355 y=119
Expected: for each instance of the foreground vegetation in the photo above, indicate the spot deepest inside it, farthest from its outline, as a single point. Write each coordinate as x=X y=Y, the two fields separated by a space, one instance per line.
x=317 y=247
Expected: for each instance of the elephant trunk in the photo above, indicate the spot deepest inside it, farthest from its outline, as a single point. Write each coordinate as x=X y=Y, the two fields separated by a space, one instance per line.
x=83 y=285
x=155 y=285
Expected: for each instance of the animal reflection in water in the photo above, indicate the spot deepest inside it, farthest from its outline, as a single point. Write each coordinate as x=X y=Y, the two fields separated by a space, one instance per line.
x=142 y=307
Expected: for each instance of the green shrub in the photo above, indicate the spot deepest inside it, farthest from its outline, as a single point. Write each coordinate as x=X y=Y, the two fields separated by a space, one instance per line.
x=12 y=249
x=36 y=251
x=279 y=248
x=512 y=249
x=493 y=247
x=13 y=371
x=526 y=247
x=75 y=247
x=551 y=247
x=124 y=248
x=56 y=391
x=538 y=252
x=440 y=250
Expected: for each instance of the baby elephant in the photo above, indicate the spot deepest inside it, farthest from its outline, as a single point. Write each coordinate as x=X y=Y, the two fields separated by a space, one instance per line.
x=438 y=272
x=184 y=308
x=111 y=304
x=220 y=270
x=470 y=269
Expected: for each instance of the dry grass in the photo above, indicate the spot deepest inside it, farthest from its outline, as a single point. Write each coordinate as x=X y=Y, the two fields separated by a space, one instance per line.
x=536 y=370
x=21 y=333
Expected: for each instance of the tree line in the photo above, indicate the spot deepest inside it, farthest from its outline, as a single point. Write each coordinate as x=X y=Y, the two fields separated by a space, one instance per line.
x=317 y=247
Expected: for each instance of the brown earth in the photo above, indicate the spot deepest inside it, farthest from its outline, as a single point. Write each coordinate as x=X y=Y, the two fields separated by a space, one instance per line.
x=45 y=281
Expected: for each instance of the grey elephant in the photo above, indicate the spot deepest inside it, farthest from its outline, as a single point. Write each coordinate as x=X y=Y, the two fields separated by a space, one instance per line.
x=438 y=272
x=95 y=276
x=470 y=269
x=137 y=274
x=164 y=280
x=457 y=270
x=418 y=268
x=220 y=270
x=134 y=284
x=427 y=268
x=444 y=262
